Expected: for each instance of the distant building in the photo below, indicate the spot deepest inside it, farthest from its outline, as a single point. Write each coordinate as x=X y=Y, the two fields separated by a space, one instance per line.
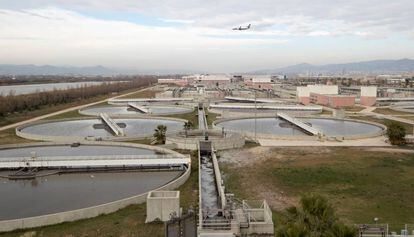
x=178 y=82
x=208 y=80
x=260 y=82
x=368 y=95
x=326 y=95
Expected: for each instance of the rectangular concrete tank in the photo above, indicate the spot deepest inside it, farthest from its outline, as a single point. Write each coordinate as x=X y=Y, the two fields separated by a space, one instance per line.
x=162 y=204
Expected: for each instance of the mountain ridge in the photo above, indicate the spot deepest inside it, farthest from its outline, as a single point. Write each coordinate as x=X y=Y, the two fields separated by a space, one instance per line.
x=372 y=66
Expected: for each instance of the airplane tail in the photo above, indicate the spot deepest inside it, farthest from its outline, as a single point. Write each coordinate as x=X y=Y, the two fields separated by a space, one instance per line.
x=248 y=26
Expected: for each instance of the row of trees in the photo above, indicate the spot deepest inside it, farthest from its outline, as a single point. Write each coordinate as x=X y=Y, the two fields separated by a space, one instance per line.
x=21 y=103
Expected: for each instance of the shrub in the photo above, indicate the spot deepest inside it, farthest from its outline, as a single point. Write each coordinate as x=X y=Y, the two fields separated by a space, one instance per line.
x=396 y=133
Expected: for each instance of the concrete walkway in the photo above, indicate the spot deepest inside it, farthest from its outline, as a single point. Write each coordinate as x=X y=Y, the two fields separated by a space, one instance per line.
x=376 y=141
x=13 y=125
x=369 y=111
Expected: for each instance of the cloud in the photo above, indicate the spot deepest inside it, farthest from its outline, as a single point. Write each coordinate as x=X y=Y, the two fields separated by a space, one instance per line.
x=198 y=35
x=177 y=21
x=66 y=37
x=296 y=16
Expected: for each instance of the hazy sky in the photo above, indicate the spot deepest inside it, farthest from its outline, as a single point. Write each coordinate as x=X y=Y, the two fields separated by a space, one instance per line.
x=197 y=35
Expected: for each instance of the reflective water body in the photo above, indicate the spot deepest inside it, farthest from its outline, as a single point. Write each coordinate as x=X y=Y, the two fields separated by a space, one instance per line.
x=84 y=128
x=277 y=126
x=263 y=125
x=83 y=150
x=332 y=127
x=125 y=110
x=57 y=193
x=28 y=89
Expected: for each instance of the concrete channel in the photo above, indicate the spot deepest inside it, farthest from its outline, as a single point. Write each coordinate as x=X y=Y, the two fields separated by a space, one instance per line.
x=220 y=214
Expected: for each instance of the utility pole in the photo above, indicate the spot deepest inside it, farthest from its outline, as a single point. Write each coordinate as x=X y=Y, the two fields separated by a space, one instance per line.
x=255 y=116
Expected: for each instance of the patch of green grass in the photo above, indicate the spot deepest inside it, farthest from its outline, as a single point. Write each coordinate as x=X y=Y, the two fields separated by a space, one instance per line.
x=355 y=108
x=191 y=117
x=388 y=111
x=359 y=182
x=325 y=112
x=127 y=222
x=211 y=117
x=9 y=137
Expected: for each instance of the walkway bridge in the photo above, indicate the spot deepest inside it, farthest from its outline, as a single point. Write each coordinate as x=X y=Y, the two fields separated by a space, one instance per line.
x=116 y=161
x=140 y=108
x=300 y=124
x=202 y=120
x=112 y=124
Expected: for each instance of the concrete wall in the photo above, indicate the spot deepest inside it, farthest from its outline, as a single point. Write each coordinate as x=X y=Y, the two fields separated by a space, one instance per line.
x=323 y=89
x=161 y=204
x=368 y=101
x=89 y=212
x=302 y=91
x=341 y=101
x=368 y=95
x=304 y=100
x=333 y=101
x=219 y=180
x=370 y=91
x=232 y=140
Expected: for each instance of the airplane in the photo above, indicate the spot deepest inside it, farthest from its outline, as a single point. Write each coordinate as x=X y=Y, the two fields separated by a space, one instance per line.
x=242 y=28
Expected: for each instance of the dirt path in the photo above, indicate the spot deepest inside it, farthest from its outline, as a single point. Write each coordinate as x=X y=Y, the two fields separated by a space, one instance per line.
x=376 y=141
x=13 y=125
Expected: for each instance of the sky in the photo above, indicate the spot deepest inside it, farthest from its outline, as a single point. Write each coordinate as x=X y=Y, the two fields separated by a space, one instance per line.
x=197 y=35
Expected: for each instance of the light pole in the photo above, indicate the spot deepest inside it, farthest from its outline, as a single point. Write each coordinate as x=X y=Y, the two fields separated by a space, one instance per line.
x=255 y=116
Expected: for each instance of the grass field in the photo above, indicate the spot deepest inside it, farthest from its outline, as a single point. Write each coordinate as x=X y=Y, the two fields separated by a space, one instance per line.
x=127 y=222
x=408 y=127
x=354 y=108
x=191 y=117
x=9 y=137
x=211 y=117
x=362 y=183
x=388 y=111
x=325 y=112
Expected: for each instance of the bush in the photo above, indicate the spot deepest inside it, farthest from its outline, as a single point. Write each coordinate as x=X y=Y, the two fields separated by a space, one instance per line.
x=315 y=217
x=396 y=133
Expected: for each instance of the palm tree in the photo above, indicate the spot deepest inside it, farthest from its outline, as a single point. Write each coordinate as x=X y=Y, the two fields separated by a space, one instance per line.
x=159 y=134
x=315 y=217
x=188 y=125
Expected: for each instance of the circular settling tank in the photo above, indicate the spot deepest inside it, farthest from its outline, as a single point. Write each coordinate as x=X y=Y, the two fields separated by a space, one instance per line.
x=65 y=192
x=81 y=128
x=126 y=110
x=279 y=127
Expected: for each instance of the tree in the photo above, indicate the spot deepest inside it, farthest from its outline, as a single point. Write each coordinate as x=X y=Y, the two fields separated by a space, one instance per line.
x=188 y=125
x=159 y=134
x=396 y=133
x=314 y=218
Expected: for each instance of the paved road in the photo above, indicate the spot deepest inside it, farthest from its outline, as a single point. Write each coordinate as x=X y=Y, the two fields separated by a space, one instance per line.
x=62 y=111
x=376 y=141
